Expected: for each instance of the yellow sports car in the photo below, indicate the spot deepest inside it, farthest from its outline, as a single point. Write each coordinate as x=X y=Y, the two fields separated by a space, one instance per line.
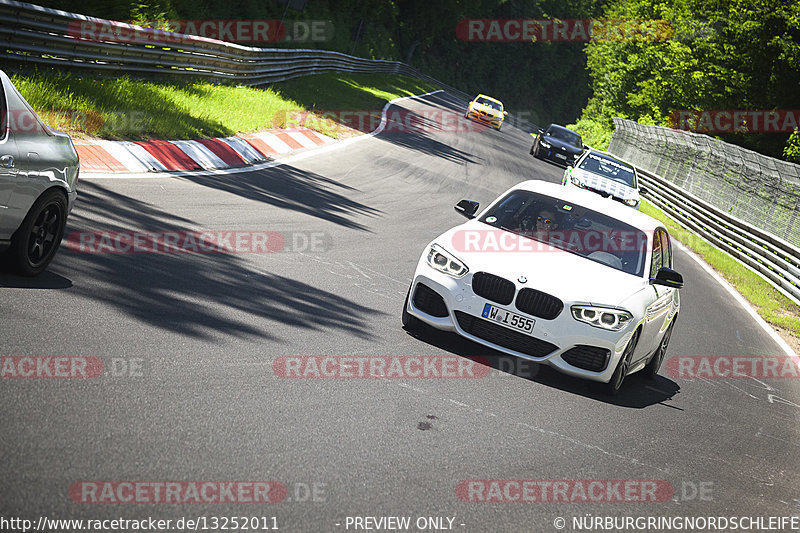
x=487 y=110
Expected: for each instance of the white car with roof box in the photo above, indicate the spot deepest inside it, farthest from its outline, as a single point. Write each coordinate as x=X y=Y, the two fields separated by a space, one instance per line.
x=555 y=275
x=605 y=175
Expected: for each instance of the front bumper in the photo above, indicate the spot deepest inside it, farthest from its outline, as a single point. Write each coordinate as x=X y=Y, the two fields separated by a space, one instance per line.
x=491 y=120
x=557 y=155
x=604 y=194
x=558 y=337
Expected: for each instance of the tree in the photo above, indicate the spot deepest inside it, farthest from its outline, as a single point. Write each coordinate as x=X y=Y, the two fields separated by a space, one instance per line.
x=728 y=54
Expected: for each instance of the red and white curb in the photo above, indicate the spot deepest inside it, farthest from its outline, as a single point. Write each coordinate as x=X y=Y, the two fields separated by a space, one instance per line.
x=99 y=156
x=156 y=159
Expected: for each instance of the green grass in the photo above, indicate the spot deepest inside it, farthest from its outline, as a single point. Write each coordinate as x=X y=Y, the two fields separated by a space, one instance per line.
x=773 y=306
x=123 y=108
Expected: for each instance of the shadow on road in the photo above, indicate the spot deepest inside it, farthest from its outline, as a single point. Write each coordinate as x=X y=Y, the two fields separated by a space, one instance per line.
x=199 y=294
x=96 y=202
x=413 y=129
x=287 y=187
x=637 y=392
x=423 y=143
x=45 y=280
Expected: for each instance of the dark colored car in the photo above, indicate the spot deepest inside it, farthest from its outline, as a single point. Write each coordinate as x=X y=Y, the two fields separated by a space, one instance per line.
x=558 y=144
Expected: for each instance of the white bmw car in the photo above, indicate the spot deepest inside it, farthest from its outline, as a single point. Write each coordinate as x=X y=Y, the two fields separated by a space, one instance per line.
x=605 y=175
x=555 y=275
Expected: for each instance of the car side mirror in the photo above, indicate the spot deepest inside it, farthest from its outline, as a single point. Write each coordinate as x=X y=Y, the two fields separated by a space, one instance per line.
x=668 y=278
x=505 y=112
x=541 y=131
x=468 y=208
x=643 y=190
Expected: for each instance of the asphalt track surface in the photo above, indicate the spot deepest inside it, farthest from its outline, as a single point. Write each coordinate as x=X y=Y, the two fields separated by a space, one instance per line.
x=203 y=331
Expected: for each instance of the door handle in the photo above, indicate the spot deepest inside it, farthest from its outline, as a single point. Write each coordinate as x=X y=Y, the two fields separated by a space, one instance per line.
x=7 y=161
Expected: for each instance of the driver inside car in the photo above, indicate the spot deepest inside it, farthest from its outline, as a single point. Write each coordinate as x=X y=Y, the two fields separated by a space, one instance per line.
x=545 y=221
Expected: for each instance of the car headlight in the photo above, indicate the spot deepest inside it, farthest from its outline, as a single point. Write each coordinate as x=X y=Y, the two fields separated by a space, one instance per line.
x=602 y=317
x=545 y=144
x=443 y=261
x=577 y=182
x=633 y=202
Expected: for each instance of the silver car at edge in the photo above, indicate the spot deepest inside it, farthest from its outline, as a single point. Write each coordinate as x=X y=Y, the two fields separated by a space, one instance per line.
x=38 y=178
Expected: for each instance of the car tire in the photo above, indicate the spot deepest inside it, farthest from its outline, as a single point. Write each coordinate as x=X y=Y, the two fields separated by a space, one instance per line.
x=411 y=323
x=618 y=377
x=37 y=239
x=651 y=370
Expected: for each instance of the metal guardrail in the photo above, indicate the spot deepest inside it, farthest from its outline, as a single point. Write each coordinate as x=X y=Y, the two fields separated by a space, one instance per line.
x=32 y=34
x=758 y=189
x=774 y=259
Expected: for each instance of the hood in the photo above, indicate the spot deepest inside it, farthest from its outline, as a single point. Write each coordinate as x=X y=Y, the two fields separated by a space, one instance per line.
x=568 y=276
x=604 y=184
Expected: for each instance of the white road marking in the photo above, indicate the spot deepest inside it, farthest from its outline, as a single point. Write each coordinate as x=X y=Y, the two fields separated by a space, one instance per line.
x=742 y=390
x=742 y=302
x=762 y=383
x=772 y=398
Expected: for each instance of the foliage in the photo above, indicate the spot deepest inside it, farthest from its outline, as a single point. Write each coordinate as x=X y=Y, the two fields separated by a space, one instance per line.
x=727 y=54
x=792 y=150
x=546 y=82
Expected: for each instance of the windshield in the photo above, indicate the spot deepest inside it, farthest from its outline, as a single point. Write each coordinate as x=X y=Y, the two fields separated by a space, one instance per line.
x=494 y=105
x=569 y=137
x=572 y=228
x=609 y=168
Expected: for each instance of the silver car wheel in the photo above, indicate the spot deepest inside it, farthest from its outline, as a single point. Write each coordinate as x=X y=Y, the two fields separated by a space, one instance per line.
x=36 y=241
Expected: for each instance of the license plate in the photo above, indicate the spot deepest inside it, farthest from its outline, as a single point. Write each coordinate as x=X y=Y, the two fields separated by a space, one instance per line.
x=508 y=319
x=561 y=156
